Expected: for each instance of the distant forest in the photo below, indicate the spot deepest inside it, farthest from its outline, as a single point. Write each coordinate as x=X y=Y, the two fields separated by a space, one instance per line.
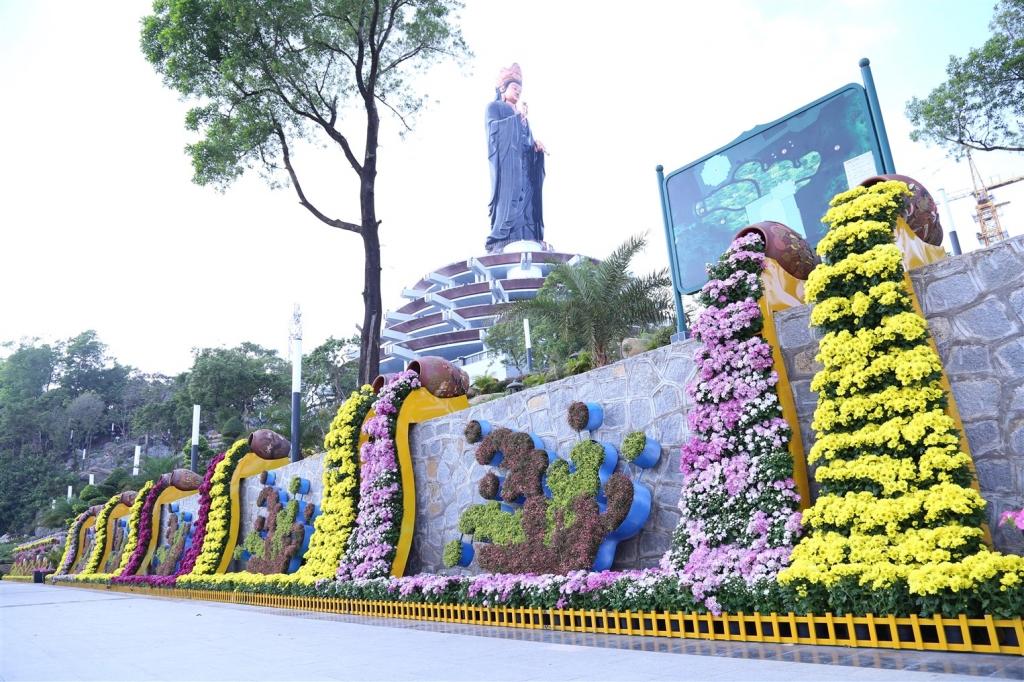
x=57 y=398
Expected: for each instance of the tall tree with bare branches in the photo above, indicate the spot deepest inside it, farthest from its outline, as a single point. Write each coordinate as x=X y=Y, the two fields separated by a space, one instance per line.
x=266 y=74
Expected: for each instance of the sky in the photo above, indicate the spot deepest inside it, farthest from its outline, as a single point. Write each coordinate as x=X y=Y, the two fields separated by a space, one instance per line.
x=102 y=227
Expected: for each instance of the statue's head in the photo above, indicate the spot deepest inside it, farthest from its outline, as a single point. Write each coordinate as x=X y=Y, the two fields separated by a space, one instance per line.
x=511 y=92
x=510 y=83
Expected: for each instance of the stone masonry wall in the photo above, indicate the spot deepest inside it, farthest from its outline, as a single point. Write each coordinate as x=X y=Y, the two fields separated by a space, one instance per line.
x=974 y=305
x=309 y=468
x=187 y=504
x=645 y=392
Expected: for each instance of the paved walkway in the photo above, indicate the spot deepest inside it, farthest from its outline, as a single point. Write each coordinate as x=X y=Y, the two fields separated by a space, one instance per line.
x=62 y=633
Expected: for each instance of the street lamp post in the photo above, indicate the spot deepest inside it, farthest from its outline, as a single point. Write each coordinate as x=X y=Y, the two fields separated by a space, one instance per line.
x=529 y=346
x=195 y=439
x=954 y=241
x=296 y=339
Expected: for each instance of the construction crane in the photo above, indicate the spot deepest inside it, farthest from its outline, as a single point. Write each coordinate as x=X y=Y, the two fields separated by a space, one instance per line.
x=986 y=210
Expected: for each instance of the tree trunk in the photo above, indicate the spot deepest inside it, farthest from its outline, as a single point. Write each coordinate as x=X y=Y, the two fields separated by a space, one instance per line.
x=369 y=343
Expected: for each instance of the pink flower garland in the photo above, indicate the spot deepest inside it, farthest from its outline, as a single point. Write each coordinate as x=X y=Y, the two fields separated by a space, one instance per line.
x=634 y=589
x=739 y=504
x=371 y=546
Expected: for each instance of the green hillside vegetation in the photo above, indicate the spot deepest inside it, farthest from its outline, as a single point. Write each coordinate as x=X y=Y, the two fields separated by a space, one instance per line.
x=57 y=398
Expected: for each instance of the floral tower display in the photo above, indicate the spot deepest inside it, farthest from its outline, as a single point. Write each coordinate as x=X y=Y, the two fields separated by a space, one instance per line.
x=897 y=525
x=739 y=505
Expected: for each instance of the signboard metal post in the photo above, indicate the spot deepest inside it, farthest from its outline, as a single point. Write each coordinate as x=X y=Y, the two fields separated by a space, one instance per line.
x=876 y=115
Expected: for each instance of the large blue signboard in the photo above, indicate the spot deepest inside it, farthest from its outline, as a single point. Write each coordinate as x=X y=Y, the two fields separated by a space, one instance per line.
x=786 y=171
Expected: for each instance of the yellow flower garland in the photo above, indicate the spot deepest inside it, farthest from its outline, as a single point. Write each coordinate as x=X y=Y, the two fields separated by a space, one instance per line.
x=219 y=518
x=100 y=542
x=337 y=507
x=134 y=518
x=894 y=505
x=339 y=502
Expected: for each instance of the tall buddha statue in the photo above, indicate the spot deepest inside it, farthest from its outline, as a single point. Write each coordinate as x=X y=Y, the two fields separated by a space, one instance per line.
x=517 y=166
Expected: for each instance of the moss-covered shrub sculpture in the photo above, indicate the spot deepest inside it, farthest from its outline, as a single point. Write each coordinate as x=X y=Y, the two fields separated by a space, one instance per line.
x=578 y=416
x=524 y=464
x=489 y=486
x=633 y=445
x=279 y=541
x=175 y=538
x=452 y=553
x=555 y=531
x=473 y=432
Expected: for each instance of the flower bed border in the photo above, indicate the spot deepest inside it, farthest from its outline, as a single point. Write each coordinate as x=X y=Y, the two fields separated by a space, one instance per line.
x=986 y=635
x=39 y=548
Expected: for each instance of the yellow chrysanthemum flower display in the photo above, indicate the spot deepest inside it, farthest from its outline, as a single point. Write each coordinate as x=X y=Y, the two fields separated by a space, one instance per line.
x=338 y=509
x=340 y=500
x=134 y=521
x=896 y=507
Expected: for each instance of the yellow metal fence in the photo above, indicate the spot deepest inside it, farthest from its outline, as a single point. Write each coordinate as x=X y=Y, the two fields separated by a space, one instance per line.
x=978 y=635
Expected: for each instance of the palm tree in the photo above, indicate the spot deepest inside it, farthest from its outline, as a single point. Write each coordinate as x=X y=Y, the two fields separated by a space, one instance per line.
x=598 y=302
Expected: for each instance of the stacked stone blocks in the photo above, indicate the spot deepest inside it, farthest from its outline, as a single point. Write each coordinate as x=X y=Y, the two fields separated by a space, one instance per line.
x=974 y=305
x=643 y=393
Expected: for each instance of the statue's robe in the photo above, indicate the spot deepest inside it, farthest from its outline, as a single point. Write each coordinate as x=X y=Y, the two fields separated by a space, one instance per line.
x=517 y=176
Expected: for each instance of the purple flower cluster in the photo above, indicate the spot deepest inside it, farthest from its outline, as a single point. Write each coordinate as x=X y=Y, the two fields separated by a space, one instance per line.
x=1013 y=517
x=739 y=505
x=371 y=546
x=199 y=527
x=145 y=534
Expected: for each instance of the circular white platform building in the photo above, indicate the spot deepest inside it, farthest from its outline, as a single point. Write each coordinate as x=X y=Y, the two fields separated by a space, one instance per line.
x=450 y=310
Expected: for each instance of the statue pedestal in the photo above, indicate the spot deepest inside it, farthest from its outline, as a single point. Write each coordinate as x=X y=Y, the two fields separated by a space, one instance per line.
x=525 y=245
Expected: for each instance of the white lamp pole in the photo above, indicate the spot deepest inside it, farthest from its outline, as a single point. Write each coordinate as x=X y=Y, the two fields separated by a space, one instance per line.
x=135 y=465
x=69 y=493
x=954 y=241
x=296 y=344
x=529 y=345
x=195 y=439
